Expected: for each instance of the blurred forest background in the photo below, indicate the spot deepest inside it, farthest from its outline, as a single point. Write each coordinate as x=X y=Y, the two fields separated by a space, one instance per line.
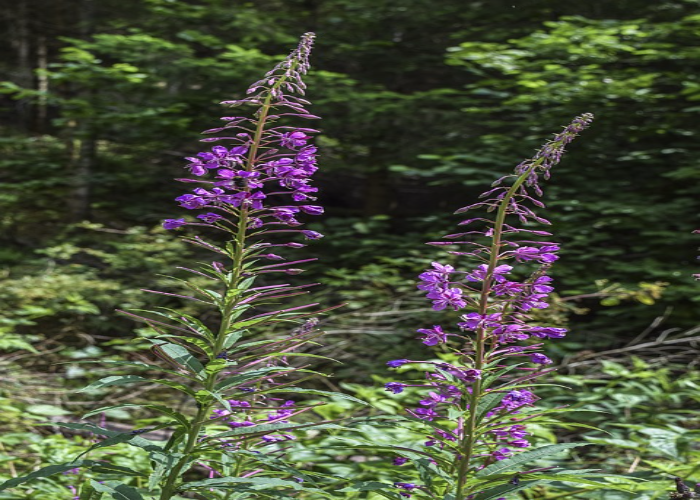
x=424 y=104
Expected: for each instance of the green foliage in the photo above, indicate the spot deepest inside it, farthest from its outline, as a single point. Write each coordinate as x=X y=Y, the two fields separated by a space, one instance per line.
x=425 y=102
x=649 y=415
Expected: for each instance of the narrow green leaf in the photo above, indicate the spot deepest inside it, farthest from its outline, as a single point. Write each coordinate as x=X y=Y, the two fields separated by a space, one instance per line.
x=114 y=380
x=165 y=462
x=277 y=464
x=87 y=492
x=503 y=490
x=135 y=379
x=136 y=364
x=182 y=419
x=240 y=378
x=299 y=390
x=61 y=468
x=216 y=365
x=247 y=323
x=487 y=402
x=107 y=468
x=232 y=337
x=120 y=437
x=525 y=457
x=41 y=473
x=185 y=320
x=264 y=429
x=128 y=438
x=366 y=486
x=583 y=479
x=181 y=356
x=257 y=483
x=118 y=490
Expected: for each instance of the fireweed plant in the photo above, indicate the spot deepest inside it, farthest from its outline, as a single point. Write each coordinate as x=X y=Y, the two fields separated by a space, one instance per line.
x=243 y=385
x=478 y=406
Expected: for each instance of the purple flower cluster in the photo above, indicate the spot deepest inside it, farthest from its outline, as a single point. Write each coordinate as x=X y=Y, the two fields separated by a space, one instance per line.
x=264 y=162
x=243 y=414
x=494 y=298
x=406 y=489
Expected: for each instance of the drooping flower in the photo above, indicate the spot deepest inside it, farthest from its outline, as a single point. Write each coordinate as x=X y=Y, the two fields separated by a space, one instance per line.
x=434 y=335
x=397 y=362
x=173 y=223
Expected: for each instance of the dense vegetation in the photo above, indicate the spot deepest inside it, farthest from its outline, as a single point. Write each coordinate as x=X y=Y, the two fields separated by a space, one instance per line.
x=424 y=103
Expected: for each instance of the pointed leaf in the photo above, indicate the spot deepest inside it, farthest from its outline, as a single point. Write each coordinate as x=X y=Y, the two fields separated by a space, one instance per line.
x=120 y=437
x=181 y=356
x=182 y=419
x=87 y=492
x=366 y=486
x=258 y=483
x=323 y=393
x=525 y=457
x=247 y=432
x=135 y=379
x=61 y=468
x=117 y=490
x=487 y=403
x=164 y=463
x=42 y=473
x=504 y=489
x=137 y=364
x=114 y=380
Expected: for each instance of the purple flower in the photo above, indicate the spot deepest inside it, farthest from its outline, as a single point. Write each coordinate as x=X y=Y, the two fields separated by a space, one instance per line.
x=513 y=332
x=540 y=359
x=312 y=235
x=191 y=202
x=173 y=223
x=437 y=278
x=294 y=139
x=451 y=297
x=548 y=332
x=544 y=254
x=394 y=387
x=397 y=362
x=472 y=321
x=519 y=443
x=311 y=209
x=210 y=217
x=408 y=487
x=433 y=399
x=425 y=413
x=434 y=335
x=400 y=460
x=470 y=375
x=517 y=398
x=539 y=286
x=502 y=454
x=479 y=274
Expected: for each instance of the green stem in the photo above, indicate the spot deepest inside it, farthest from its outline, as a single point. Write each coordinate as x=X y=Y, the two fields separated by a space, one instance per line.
x=469 y=438
x=230 y=303
x=237 y=258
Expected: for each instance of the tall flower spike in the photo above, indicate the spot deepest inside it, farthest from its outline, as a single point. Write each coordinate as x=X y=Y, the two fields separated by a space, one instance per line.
x=482 y=401
x=243 y=186
x=252 y=188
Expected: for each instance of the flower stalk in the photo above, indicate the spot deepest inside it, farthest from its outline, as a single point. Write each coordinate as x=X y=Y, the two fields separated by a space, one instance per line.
x=479 y=402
